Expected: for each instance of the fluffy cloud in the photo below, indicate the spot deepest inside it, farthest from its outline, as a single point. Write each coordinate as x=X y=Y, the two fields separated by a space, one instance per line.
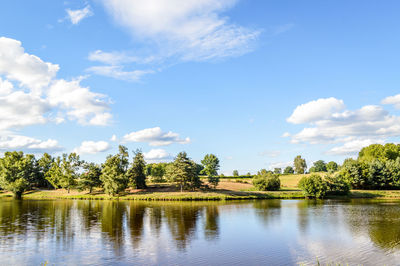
x=29 y=70
x=81 y=104
x=155 y=137
x=157 y=155
x=75 y=16
x=315 y=110
x=354 y=129
x=17 y=142
x=92 y=147
x=394 y=100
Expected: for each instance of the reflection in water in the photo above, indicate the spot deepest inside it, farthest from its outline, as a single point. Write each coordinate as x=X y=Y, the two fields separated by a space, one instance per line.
x=255 y=232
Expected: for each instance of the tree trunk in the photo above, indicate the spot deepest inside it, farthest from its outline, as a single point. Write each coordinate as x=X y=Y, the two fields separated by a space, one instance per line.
x=181 y=188
x=90 y=190
x=17 y=195
x=68 y=190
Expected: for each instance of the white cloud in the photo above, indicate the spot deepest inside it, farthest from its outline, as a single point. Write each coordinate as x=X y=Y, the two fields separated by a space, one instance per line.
x=19 y=109
x=315 y=110
x=286 y=135
x=353 y=147
x=157 y=155
x=76 y=16
x=394 y=100
x=113 y=138
x=155 y=137
x=270 y=154
x=191 y=30
x=83 y=105
x=29 y=70
x=118 y=72
x=117 y=58
x=6 y=87
x=17 y=142
x=353 y=129
x=282 y=165
x=92 y=147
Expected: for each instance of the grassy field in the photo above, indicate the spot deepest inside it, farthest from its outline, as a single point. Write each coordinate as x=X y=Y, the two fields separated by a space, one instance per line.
x=228 y=189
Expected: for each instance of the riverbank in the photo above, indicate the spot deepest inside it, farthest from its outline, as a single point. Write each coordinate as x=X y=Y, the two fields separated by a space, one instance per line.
x=227 y=190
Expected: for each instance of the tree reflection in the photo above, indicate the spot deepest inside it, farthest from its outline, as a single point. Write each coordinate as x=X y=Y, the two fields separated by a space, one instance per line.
x=211 y=228
x=135 y=220
x=112 y=220
x=268 y=210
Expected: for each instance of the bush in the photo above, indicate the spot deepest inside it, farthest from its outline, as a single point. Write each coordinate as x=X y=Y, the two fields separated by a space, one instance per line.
x=337 y=185
x=267 y=182
x=313 y=186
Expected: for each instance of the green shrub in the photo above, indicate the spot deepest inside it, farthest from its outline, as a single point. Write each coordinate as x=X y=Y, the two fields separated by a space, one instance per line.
x=337 y=185
x=313 y=186
x=267 y=182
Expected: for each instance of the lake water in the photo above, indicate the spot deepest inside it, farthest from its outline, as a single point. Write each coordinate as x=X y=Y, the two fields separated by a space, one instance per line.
x=268 y=232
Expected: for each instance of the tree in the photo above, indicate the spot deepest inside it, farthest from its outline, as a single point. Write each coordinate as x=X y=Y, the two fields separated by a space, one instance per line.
x=385 y=152
x=183 y=172
x=91 y=177
x=15 y=172
x=332 y=167
x=320 y=166
x=266 y=181
x=44 y=164
x=70 y=165
x=113 y=174
x=277 y=170
x=211 y=167
x=157 y=171
x=313 y=186
x=300 y=165
x=136 y=173
x=235 y=173
x=288 y=170
x=55 y=174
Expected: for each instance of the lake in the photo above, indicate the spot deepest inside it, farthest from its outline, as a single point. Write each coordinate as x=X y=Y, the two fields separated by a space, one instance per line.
x=263 y=232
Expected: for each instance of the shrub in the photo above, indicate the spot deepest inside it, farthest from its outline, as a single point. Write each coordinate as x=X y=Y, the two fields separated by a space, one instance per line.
x=313 y=186
x=337 y=185
x=267 y=182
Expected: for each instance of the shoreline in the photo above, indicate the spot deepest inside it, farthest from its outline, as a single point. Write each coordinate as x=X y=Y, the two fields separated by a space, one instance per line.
x=214 y=195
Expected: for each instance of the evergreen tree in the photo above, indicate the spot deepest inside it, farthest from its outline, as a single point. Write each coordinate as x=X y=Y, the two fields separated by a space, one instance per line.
x=136 y=173
x=183 y=171
x=91 y=177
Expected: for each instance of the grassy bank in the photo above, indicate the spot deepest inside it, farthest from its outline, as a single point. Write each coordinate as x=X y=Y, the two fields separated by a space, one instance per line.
x=227 y=190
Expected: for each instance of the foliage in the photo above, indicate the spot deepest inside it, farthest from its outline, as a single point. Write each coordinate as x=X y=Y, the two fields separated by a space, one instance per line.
x=44 y=165
x=337 y=185
x=332 y=167
x=211 y=167
x=156 y=171
x=183 y=172
x=90 y=178
x=320 y=166
x=235 y=173
x=113 y=174
x=136 y=173
x=313 y=186
x=15 y=172
x=266 y=181
x=300 y=165
x=70 y=170
x=277 y=170
x=380 y=152
x=288 y=170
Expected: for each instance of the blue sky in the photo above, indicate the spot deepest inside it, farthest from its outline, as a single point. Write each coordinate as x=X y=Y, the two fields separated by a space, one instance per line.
x=254 y=82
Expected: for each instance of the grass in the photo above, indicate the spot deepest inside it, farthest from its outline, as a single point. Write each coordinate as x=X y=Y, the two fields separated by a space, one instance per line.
x=226 y=190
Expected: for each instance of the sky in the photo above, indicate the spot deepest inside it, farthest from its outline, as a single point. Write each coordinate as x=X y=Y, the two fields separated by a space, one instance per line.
x=255 y=82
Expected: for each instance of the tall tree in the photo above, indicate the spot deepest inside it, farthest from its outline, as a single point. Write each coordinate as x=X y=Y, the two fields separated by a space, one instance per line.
x=183 y=171
x=113 y=174
x=332 y=167
x=136 y=173
x=235 y=173
x=15 y=172
x=90 y=177
x=288 y=170
x=300 y=165
x=44 y=164
x=211 y=167
x=55 y=174
x=277 y=170
x=70 y=165
x=320 y=166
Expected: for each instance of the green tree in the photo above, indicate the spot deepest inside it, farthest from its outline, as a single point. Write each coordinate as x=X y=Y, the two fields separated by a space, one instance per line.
x=54 y=174
x=300 y=165
x=113 y=174
x=136 y=173
x=90 y=177
x=277 y=170
x=313 y=186
x=266 y=181
x=157 y=172
x=235 y=173
x=183 y=171
x=385 y=152
x=211 y=167
x=70 y=165
x=288 y=170
x=332 y=167
x=44 y=164
x=320 y=166
x=15 y=172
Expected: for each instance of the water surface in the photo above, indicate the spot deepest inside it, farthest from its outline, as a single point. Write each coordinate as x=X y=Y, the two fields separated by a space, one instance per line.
x=268 y=232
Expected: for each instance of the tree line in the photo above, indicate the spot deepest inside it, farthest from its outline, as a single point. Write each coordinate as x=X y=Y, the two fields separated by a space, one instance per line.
x=20 y=172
